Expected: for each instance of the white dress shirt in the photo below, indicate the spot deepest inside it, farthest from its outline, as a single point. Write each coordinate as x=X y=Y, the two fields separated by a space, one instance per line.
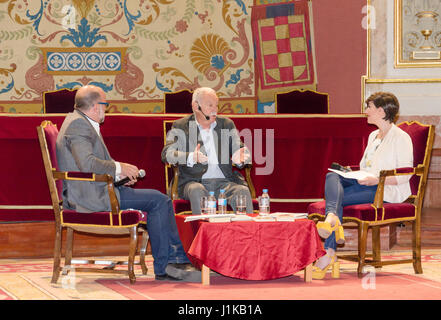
x=207 y=137
x=394 y=151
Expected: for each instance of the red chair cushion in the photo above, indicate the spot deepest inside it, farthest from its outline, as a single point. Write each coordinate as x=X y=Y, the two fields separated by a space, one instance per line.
x=367 y=212
x=51 y=134
x=124 y=218
x=419 y=135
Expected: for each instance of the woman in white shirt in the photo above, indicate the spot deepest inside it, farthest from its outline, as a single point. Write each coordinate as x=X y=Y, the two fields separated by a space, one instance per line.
x=388 y=148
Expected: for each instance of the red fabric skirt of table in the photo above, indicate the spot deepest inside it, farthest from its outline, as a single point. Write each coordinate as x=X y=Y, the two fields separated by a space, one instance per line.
x=257 y=250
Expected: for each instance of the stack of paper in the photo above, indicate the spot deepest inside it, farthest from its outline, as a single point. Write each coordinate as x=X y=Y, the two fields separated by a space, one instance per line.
x=289 y=216
x=241 y=217
x=209 y=216
x=264 y=218
x=358 y=175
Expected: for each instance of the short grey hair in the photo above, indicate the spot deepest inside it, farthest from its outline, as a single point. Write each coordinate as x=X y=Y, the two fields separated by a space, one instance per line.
x=202 y=91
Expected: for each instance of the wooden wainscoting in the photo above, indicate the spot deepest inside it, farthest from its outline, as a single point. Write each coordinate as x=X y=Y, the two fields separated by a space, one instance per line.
x=36 y=240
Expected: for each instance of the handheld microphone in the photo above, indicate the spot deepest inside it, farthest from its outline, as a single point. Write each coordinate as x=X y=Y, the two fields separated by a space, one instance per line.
x=200 y=109
x=141 y=174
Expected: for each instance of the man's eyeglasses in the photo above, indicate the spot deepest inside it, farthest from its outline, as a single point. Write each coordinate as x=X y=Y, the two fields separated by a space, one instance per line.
x=106 y=104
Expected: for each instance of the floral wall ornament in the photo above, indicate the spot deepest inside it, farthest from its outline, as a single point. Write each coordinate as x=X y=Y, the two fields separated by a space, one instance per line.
x=83 y=36
x=6 y=78
x=207 y=52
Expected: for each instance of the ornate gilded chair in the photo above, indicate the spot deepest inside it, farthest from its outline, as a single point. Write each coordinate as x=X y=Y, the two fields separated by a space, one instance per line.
x=302 y=101
x=178 y=102
x=114 y=223
x=378 y=214
x=59 y=101
x=172 y=175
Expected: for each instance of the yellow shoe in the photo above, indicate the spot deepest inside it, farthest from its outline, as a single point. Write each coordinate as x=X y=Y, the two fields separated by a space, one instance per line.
x=340 y=235
x=319 y=274
x=325 y=230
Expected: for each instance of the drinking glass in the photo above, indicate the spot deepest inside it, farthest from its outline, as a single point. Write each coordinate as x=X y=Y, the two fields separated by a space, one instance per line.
x=241 y=204
x=204 y=205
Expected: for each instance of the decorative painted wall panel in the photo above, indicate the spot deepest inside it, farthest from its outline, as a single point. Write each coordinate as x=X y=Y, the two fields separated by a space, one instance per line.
x=134 y=50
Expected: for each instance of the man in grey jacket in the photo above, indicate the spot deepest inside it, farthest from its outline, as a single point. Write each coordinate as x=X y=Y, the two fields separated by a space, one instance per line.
x=204 y=146
x=80 y=147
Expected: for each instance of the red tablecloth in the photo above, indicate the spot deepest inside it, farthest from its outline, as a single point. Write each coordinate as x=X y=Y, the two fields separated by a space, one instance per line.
x=257 y=250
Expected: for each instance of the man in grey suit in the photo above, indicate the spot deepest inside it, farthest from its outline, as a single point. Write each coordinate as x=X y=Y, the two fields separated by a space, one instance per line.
x=80 y=147
x=204 y=146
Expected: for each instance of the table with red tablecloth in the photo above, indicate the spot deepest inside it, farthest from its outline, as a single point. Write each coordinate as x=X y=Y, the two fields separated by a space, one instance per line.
x=252 y=250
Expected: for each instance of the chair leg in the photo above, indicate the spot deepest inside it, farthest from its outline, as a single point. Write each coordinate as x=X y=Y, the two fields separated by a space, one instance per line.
x=376 y=245
x=142 y=251
x=416 y=246
x=132 y=252
x=362 y=242
x=69 y=248
x=57 y=255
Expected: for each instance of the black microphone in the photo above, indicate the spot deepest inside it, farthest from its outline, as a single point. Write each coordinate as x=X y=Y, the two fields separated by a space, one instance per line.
x=141 y=174
x=200 y=109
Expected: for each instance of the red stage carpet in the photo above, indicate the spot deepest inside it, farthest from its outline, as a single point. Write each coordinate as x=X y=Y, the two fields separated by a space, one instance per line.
x=378 y=286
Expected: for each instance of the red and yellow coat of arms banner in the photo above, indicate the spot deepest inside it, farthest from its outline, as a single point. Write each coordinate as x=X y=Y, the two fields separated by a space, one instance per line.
x=283 y=48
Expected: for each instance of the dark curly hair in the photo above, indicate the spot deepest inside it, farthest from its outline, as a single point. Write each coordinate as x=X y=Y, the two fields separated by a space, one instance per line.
x=388 y=102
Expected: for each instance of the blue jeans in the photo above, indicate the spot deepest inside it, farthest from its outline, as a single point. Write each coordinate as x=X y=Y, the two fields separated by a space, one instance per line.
x=340 y=192
x=161 y=225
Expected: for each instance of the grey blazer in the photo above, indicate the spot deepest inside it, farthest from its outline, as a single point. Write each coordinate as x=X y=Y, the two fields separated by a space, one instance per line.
x=80 y=148
x=183 y=139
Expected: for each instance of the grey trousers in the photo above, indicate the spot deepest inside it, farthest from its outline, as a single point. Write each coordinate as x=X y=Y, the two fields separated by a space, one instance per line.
x=193 y=191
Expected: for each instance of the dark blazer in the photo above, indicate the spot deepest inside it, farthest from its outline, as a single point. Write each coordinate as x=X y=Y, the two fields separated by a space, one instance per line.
x=80 y=148
x=183 y=139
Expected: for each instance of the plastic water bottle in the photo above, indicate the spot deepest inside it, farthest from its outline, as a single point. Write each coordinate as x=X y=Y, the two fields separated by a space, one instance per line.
x=264 y=203
x=222 y=202
x=211 y=203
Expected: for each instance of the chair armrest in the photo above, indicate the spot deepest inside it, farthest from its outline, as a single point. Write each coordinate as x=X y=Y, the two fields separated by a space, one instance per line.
x=174 y=182
x=91 y=177
x=403 y=171
x=379 y=195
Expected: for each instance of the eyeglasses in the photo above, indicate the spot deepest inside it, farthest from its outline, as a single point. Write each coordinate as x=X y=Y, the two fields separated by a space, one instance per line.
x=106 y=104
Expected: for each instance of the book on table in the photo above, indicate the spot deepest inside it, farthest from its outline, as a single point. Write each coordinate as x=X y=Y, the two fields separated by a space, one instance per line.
x=209 y=216
x=289 y=216
x=276 y=216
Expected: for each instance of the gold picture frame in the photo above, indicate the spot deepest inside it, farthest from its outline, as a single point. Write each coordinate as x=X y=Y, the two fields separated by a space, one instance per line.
x=417 y=34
